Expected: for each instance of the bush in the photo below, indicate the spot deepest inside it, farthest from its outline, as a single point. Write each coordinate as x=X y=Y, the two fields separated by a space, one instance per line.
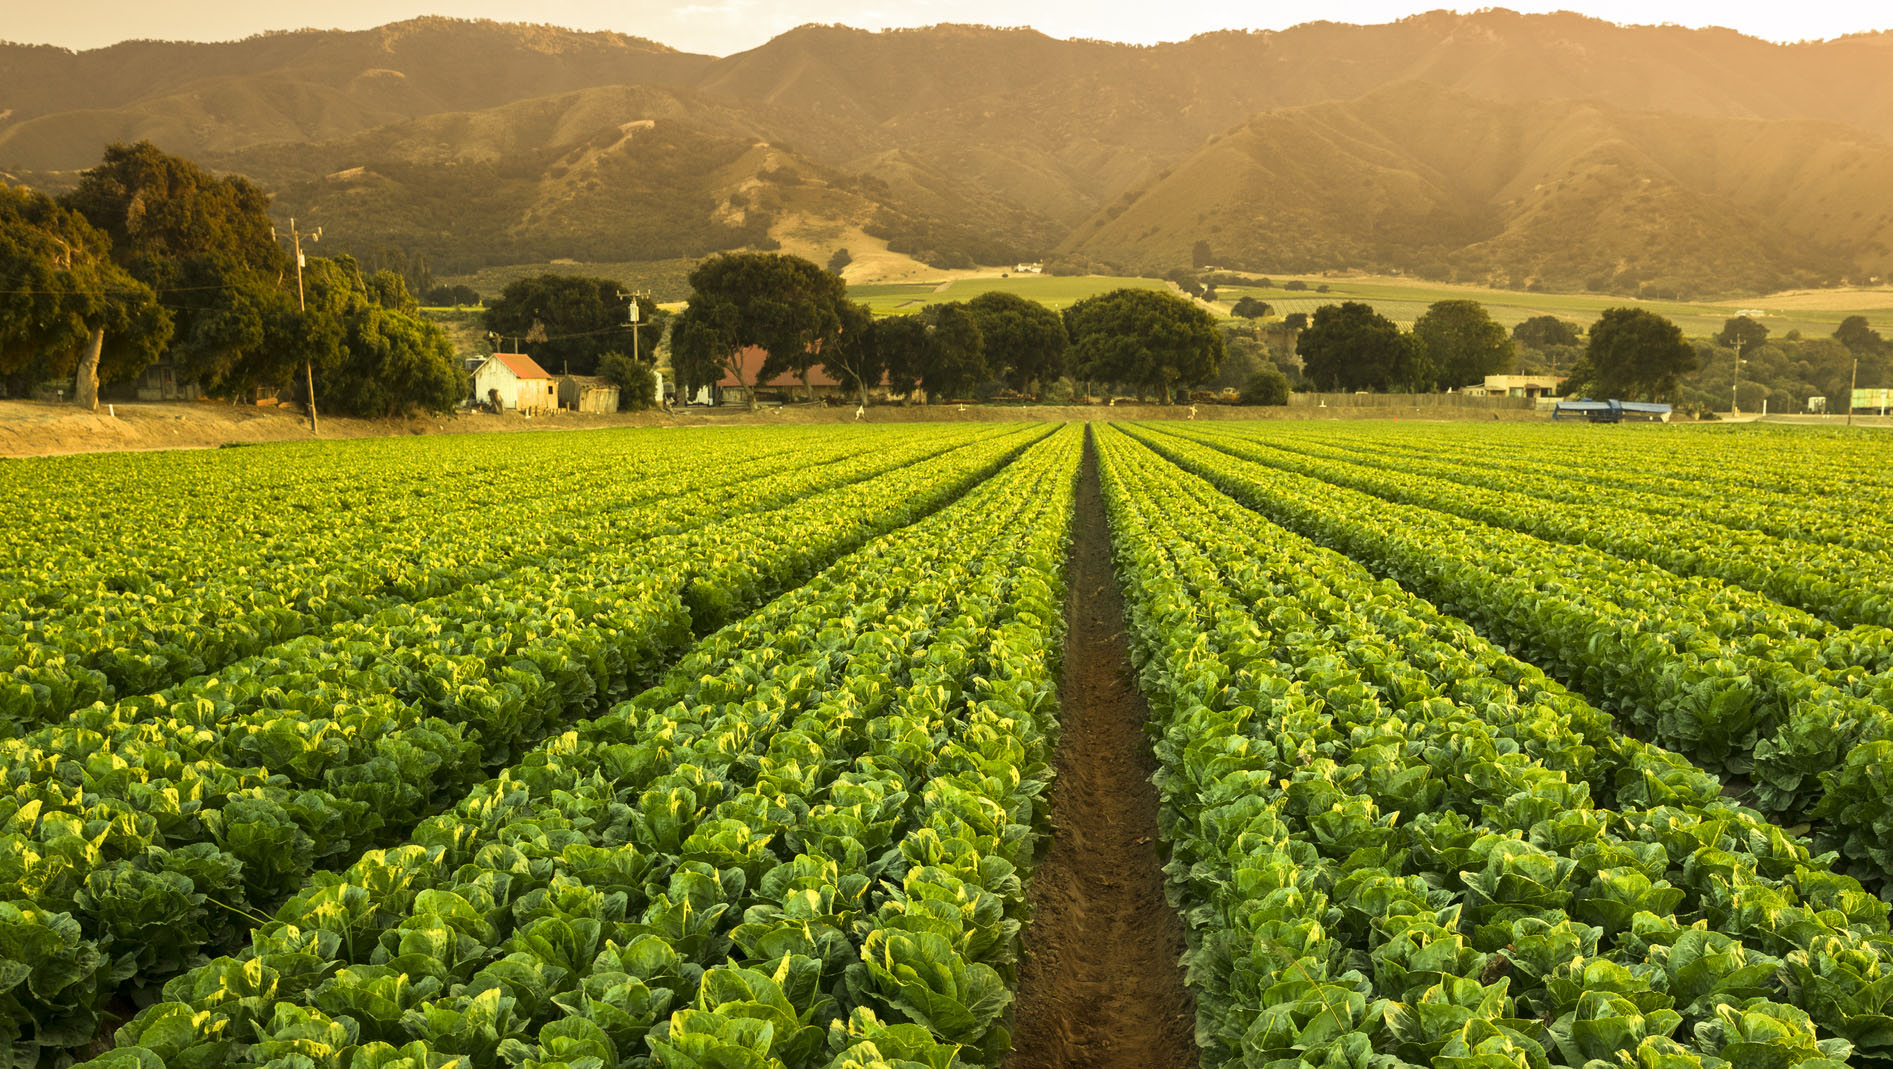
x=635 y=379
x=1266 y=387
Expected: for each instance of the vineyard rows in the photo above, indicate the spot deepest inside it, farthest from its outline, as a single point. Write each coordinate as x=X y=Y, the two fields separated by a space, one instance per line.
x=1473 y=746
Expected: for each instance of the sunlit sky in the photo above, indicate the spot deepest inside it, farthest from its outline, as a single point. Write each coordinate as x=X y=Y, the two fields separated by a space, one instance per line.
x=720 y=27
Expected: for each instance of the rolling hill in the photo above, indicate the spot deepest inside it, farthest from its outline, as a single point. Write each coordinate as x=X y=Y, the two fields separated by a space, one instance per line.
x=1568 y=195
x=1496 y=145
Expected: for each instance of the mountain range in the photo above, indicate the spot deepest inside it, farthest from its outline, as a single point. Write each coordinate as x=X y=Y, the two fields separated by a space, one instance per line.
x=1552 y=150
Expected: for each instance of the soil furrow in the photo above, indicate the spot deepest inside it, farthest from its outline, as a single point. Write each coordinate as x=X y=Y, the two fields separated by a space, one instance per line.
x=1101 y=987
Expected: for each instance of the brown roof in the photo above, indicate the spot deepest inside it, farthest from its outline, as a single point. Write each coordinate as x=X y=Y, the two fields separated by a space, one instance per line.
x=590 y=382
x=522 y=365
x=750 y=359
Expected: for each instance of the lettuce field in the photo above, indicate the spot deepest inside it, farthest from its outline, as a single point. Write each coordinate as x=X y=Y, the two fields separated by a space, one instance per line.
x=930 y=745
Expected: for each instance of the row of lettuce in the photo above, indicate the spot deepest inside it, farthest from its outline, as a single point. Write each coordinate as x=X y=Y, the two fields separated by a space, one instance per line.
x=1847 y=582
x=1792 y=483
x=1745 y=686
x=1394 y=843
x=137 y=840
x=804 y=846
x=129 y=579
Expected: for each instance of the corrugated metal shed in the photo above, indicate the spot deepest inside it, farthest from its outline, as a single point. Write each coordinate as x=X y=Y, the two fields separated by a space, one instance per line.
x=588 y=393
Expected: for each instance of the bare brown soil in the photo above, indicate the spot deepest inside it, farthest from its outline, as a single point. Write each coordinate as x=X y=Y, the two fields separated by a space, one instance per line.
x=36 y=428
x=1100 y=987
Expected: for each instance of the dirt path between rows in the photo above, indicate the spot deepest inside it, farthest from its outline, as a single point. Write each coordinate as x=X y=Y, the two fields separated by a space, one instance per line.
x=1100 y=987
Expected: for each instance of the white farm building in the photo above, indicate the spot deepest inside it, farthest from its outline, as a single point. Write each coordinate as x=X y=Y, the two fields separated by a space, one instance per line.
x=514 y=382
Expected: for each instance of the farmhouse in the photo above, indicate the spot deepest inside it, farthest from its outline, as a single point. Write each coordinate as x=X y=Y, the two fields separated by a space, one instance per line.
x=513 y=382
x=1532 y=386
x=587 y=393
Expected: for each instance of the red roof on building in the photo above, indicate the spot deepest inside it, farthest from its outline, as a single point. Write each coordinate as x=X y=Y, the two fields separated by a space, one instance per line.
x=522 y=365
x=750 y=359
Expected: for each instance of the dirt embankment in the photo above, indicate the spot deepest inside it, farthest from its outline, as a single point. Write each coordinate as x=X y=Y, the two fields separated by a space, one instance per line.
x=33 y=428
x=1100 y=987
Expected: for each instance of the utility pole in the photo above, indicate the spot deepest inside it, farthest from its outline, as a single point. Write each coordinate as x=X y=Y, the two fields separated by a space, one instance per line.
x=1852 y=378
x=1736 y=382
x=308 y=365
x=636 y=354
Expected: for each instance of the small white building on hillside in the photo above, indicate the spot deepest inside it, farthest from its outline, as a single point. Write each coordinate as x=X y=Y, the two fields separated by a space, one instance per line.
x=514 y=382
x=1532 y=386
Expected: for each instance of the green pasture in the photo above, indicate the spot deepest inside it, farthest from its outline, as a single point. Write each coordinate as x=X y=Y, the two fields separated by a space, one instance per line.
x=664 y=280
x=1053 y=291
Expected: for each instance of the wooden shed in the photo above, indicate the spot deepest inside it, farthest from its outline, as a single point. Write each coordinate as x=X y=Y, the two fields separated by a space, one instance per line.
x=516 y=382
x=587 y=393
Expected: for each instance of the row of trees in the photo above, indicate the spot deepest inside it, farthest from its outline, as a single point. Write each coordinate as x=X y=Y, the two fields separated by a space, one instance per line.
x=151 y=258
x=1746 y=364
x=800 y=316
x=1631 y=352
x=1349 y=347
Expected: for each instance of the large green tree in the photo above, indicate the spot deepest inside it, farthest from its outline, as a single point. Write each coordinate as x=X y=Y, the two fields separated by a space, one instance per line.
x=371 y=356
x=1633 y=354
x=853 y=356
x=1024 y=340
x=955 y=361
x=1349 y=347
x=1741 y=334
x=205 y=244
x=1146 y=339
x=65 y=307
x=580 y=318
x=900 y=342
x=1461 y=343
x=782 y=304
x=1249 y=308
x=1859 y=336
x=1541 y=332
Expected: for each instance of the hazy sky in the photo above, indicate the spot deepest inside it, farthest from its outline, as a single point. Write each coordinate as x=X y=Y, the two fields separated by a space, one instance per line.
x=720 y=27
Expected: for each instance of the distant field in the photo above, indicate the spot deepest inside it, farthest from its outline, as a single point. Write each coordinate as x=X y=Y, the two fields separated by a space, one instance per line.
x=662 y=279
x=1814 y=312
x=1049 y=290
x=1403 y=302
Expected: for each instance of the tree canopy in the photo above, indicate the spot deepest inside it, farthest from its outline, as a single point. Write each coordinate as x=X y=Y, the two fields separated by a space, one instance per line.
x=1024 y=340
x=1741 y=334
x=1248 y=307
x=1859 y=337
x=371 y=356
x=1461 y=344
x=853 y=357
x=1145 y=339
x=784 y=305
x=1541 y=332
x=1349 y=346
x=1268 y=386
x=581 y=319
x=1634 y=354
x=955 y=355
x=900 y=343
x=206 y=246
x=59 y=289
